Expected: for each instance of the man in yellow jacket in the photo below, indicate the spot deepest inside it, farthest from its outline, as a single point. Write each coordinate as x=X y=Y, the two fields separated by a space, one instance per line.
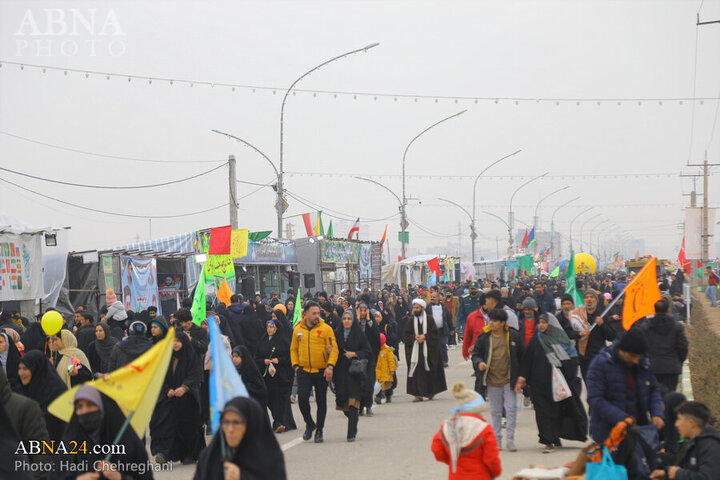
x=313 y=353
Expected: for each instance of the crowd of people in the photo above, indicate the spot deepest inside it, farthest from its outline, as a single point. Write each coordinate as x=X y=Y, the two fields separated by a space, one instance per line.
x=524 y=339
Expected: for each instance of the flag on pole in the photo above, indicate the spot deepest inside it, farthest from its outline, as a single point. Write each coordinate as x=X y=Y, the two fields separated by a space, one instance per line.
x=524 y=242
x=641 y=294
x=382 y=240
x=434 y=266
x=319 y=229
x=198 y=308
x=297 y=313
x=134 y=387
x=224 y=293
x=682 y=260
x=220 y=239
x=239 y=242
x=355 y=229
x=225 y=382
x=330 y=230
x=531 y=237
x=308 y=225
x=555 y=272
x=433 y=279
x=570 y=283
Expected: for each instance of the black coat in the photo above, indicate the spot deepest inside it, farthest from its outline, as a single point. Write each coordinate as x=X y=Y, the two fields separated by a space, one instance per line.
x=259 y=455
x=598 y=335
x=251 y=376
x=113 y=419
x=275 y=347
x=667 y=344
x=85 y=336
x=349 y=386
x=253 y=328
x=44 y=387
x=127 y=351
x=482 y=349
x=447 y=324
x=700 y=459
x=200 y=340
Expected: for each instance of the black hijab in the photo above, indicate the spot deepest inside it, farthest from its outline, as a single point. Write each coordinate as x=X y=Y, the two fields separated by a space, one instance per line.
x=284 y=328
x=225 y=327
x=104 y=347
x=34 y=337
x=669 y=434
x=258 y=454
x=251 y=376
x=10 y=361
x=188 y=365
x=356 y=342
x=45 y=384
x=112 y=421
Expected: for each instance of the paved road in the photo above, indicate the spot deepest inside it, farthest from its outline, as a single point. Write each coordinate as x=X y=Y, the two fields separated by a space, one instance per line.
x=395 y=443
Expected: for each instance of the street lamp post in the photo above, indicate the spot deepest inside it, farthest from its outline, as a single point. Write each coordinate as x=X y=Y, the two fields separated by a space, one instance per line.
x=400 y=202
x=537 y=207
x=552 y=225
x=571 y=225
x=511 y=213
x=472 y=223
x=473 y=234
x=592 y=230
x=281 y=185
x=506 y=224
x=403 y=209
x=582 y=227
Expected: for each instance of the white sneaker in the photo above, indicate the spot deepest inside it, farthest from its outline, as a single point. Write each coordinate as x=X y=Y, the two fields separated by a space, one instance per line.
x=511 y=446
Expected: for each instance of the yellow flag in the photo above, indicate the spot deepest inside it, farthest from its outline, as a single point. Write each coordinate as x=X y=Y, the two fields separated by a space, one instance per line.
x=641 y=295
x=135 y=387
x=239 y=243
x=224 y=293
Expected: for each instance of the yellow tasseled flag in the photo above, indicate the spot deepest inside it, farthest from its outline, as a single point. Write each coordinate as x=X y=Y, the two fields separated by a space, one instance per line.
x=239 y=243
x=134 y=387
x=641 y=295
x=224 y=293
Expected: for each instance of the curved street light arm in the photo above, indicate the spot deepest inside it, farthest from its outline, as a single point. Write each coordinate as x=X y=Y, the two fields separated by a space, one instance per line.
x=496 y=216
x=552 y=219
x=472 y=220
x=547 y=196
x=485 y=170
x=248 y=144
x=418 y=136
x=383 y=186
x=521 y=186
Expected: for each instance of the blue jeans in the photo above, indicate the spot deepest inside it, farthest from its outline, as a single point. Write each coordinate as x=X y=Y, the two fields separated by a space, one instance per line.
x=711 y=292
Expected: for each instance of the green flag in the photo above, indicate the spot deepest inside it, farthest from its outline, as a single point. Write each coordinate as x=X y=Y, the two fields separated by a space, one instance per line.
x=555 y=272
x=297 y=313
x=330 y=230
x=198 y=305
x=257 y=236
x=570 y=284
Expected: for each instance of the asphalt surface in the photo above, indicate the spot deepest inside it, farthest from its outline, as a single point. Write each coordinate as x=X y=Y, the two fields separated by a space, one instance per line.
x=395 y=442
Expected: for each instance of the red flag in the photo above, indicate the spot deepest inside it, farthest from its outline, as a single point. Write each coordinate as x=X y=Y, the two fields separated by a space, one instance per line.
x=355 y=229
x=382 y=241
x=220 y=240
x=434 y=266
x=524 y=240
x=683 y=262
x=308 y=225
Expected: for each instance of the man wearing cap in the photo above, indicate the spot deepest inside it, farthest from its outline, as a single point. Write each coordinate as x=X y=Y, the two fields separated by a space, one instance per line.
x=620 y=384
x=425 y=376
x=468 y=304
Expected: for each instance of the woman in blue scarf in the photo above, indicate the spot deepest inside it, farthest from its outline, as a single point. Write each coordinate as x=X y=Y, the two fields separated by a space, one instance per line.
x=550 y=349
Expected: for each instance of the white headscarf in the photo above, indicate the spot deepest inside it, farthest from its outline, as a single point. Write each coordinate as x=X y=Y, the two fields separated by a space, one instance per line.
x=415 y=353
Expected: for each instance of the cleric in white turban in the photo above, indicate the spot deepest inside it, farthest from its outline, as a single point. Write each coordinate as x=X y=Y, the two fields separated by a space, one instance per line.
x=426 y=376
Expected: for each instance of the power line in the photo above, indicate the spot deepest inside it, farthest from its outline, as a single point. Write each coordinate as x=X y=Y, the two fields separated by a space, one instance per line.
x=434 y=176
x=111 y=213
x=255 y=183
x=111 y=187
x=104 y=155
x=344 y=217
x=356 y=94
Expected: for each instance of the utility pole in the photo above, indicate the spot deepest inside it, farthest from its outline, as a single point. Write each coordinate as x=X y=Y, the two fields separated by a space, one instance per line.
x=289 y=230
x=459 y=238
x=705 y=242
x=233 y=192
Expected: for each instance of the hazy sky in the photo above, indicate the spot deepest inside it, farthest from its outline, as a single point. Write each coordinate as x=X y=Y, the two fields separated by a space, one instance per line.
x=547 y=50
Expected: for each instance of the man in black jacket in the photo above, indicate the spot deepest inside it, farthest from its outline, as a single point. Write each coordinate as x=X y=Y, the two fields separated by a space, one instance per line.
x=197 y=335
x=544 y=300
x=443 y=321
x=497 y=354
x=667 y=346
x=85 y=332
x=594 y=331
x=699 y=457
x=567 y=305
x=131 y=347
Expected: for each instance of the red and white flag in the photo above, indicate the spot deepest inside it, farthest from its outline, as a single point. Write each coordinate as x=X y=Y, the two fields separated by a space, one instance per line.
x=683 y=262
x=308 y=224
x=355 y=229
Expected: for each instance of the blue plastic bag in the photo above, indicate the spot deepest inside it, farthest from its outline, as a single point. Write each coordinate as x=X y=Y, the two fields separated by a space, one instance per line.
x=606 y=469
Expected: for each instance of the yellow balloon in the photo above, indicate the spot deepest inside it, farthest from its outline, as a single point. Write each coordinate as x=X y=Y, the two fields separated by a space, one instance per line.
x=585 y=263
x=52 y=322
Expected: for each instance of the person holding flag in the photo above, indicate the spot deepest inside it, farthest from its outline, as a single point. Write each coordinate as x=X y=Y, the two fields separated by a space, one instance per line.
x=594 y=332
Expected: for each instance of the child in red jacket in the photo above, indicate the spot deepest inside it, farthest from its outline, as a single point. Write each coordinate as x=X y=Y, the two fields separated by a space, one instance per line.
x=466 y=442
